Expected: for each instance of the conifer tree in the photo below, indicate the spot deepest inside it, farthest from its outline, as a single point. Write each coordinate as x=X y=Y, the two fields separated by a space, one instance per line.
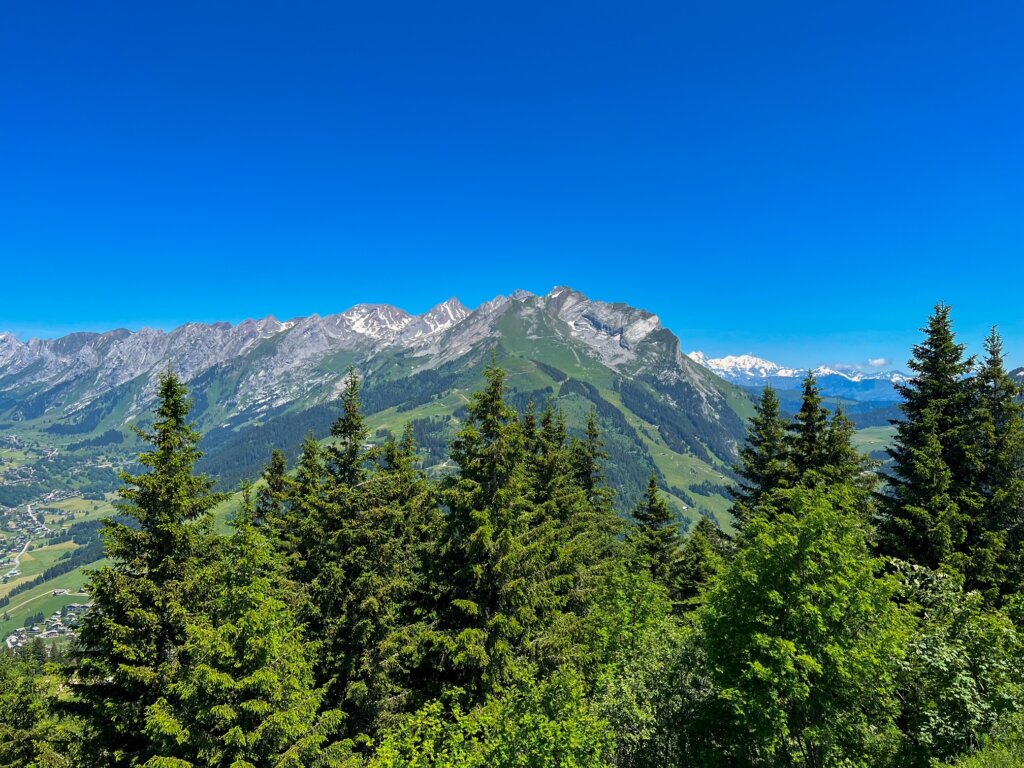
x=842 y=461
x=347 y=455
x=996 y=535
x=369 y=599
x=245 y=694
x=499 y=582
x=131 y=638
x=298 y=533
x=931 y=494
x=764 y=465
x=656 y=535
x=808 y=434
x=272 y=497
x=589 y=455
x=702 y=557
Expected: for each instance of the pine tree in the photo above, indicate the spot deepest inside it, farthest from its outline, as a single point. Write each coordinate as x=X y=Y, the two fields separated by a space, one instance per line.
x=347 y=456
x=502 y=577
x=931 y=494
x=272 y=497
x=589 y=456
x=703 y=555
x=245 y=695
x=996 y=535
x=808 y=434
x=131 y=637
x=764 y=466
x=656 y=536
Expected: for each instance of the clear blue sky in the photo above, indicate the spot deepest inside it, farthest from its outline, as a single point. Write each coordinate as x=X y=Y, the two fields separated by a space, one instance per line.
x=800 y=180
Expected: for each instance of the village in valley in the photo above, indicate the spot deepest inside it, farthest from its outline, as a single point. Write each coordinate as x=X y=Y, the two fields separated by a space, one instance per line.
x=43 y=545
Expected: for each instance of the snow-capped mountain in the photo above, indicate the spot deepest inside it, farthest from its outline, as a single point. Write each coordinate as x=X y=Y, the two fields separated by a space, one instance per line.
x=741 y=368
x=752 y=371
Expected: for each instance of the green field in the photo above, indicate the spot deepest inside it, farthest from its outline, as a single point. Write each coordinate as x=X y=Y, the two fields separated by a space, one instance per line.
x=874 y=438
x=41 y=598
x=36 y=561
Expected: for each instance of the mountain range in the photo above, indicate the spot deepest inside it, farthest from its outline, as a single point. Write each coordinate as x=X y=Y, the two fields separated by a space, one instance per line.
x=265 y=383
x=848 y=383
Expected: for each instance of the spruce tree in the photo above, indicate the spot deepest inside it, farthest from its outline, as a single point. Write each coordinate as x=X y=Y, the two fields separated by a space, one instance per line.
x=501 y=588
x=369 y=598
x=764 y=464
x=245 y=694
x=589 y=458
x=996 y=535
x=298 y=533
x=132 y=636
x=272 y=497
x=703 y=555
x=931 y=492
x=347 y=455
x=657 y=538
x=808 y=434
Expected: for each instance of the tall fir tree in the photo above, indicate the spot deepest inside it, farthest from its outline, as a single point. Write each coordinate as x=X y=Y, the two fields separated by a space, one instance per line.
x=245 y=693
x=931 y=495
x=657 y=538
x=703 y=555
x=486 y=559
x=995 y=564
x=130 y=640
x=370 y=598
x=298 y=533
x=845 y=464
x=808 y=433
x=514 y=551
x=272 y=497
x=764 y=464
x=589 y=458
x=347 y=455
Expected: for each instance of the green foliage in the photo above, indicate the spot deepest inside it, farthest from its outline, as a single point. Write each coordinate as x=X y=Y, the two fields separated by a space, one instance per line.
x=32 y=733
x=961 y=670
x=539 y=725
x=798 y=637
x=360 y=614
x=1004 y=749
x=925 y=512
x=244 y=693
x=130 y=641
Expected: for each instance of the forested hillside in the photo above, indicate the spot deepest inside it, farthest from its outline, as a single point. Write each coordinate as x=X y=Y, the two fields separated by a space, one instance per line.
x=361 y=612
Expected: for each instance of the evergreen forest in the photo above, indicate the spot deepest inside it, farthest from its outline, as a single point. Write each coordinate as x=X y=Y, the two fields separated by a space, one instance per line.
x=502 y=614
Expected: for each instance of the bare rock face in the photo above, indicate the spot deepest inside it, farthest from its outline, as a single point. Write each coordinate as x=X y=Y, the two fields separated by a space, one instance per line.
x=612 y=330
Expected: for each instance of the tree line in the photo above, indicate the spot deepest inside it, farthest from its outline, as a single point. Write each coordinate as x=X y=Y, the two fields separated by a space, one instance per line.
x=362 y=614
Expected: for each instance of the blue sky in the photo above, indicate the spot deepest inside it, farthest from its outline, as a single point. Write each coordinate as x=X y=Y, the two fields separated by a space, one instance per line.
x=799 y=180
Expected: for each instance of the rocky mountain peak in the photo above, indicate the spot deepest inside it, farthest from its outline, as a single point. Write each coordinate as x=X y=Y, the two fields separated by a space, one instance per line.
x=379 y=322
x=612 y=330
x=439 y=319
